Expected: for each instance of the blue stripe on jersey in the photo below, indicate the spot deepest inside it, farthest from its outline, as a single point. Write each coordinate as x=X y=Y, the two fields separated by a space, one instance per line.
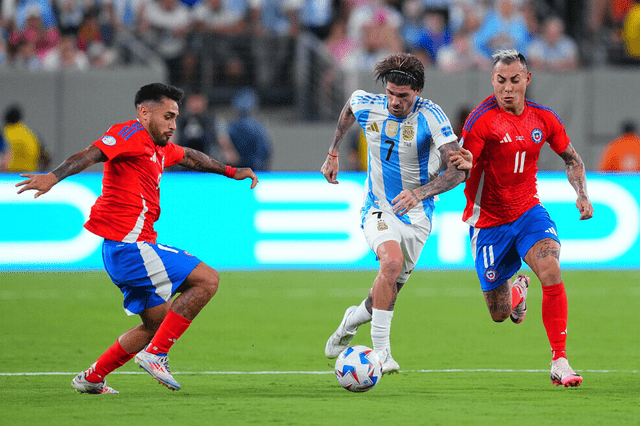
x=390 y=159
x=478 y=111
x=134 y=129
x=544 y=108
x=430 y=106
x=370 y=99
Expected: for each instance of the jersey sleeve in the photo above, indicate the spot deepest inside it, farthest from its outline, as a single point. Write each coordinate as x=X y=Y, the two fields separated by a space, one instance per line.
x=472 y=140
x=173 y=154
x=558 y=139
x=442 y=132
x=114 y=144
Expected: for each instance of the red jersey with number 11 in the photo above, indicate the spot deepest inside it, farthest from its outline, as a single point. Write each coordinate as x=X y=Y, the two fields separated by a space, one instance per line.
x=505 y=147
x=130 y=200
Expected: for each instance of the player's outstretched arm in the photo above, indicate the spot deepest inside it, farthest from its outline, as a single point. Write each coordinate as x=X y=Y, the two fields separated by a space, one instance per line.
x=451 y=177
x=463 y=160
x=200 y=162
x=578 y=179
x=331 y=165
x=42 y=183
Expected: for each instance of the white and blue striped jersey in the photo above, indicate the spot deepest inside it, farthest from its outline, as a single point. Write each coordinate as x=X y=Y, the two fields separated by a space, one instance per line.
x=402 y=152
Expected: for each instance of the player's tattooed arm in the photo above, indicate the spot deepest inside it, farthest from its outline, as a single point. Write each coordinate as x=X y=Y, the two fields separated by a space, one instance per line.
x=200 y=162
x=448 y=179
x=577 y=178
x=331 y=165
x=42 y=183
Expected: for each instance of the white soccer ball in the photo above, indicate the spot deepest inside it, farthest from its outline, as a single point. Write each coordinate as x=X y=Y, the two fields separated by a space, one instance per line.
x=357 y=369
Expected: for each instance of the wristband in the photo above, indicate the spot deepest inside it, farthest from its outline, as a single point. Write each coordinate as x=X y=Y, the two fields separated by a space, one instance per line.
x=230 y=171
x=330 y=154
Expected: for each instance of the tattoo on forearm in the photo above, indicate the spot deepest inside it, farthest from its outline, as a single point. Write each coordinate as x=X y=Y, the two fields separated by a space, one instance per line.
x=575 y=171
x=78 y=162
x=201 y=162
x=448 y=179
x=344 y=124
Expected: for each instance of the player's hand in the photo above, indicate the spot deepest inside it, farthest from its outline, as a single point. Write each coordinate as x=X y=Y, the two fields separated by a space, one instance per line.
x=330 y=169
x=585 y=207
x=246 y=172
x=462 y=159
x=404 y=202
x=40 y=183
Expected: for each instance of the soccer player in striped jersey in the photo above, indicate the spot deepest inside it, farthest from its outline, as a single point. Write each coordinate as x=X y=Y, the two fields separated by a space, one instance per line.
x=149 y=274
x=508 y=223
x=409 y=142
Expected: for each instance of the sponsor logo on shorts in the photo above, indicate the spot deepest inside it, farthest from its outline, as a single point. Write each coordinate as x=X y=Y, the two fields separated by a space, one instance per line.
x=382 y=225
x=108 y=140
x=491 y=275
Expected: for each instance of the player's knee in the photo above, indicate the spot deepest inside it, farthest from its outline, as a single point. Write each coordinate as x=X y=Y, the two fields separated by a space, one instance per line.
x=391 y=268
x=550 y=276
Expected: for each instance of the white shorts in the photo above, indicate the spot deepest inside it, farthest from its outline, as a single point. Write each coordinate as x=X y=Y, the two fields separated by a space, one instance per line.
x=380 y=225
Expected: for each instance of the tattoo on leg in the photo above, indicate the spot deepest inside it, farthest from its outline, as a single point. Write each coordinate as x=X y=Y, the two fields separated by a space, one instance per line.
x=548 y=248
x=499 y=301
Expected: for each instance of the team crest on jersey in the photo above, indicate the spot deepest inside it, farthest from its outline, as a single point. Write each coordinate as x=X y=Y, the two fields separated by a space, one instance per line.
x=408 y=132
x=536 y=135
x=392 y=128
x=108 y=140
x=491 y=275
x=382 y=225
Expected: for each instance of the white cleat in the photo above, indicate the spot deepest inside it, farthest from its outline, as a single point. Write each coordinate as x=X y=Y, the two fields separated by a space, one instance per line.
x=158 y=367
x=82 y=385
x=389 y=365
x=340 y=340
x=563 y=375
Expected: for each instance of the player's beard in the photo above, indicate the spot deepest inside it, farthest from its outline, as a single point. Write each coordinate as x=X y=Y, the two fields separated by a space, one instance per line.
x=159 y=138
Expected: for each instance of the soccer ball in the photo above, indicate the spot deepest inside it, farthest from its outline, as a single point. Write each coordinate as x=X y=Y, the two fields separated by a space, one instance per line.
x=357 y=369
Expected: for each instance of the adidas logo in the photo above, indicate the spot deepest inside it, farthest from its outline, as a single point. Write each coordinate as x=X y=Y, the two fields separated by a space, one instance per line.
x=374 y=128
x=552 y=231
x=506 y=139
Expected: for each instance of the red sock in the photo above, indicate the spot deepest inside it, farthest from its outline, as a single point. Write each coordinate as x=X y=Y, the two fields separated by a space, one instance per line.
x=516 y=297
x=554 y=318
x=169 y=332
x=113 y=358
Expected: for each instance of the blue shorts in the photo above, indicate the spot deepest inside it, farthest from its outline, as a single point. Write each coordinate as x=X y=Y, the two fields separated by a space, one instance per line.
x=147 y=274
x=498 y=251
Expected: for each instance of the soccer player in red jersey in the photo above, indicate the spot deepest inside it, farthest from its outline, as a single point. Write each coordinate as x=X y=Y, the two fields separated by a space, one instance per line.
x=508 y=223
x=148 y=274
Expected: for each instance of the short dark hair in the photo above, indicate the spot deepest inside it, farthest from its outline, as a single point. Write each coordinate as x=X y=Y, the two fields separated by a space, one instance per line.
x=156 y=92
x=13 y=114
x=509 y=56
x=403 y=69
x=629 y=126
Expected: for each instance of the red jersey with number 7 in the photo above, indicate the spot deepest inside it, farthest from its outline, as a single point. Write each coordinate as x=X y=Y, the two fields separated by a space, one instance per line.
x=505 y=147
x=130 y=200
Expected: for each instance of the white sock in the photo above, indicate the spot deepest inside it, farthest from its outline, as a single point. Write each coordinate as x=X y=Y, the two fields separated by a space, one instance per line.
x=380 y=329
x=357 y=318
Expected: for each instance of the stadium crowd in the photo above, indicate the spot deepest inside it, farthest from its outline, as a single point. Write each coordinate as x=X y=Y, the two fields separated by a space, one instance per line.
x=240 y=42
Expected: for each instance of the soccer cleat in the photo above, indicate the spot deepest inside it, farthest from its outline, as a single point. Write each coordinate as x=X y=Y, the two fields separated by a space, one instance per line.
x=82 y=385
x=563 y=374
x=519 y=312
x=389 y=365
x=158 y=367
x=340 y=340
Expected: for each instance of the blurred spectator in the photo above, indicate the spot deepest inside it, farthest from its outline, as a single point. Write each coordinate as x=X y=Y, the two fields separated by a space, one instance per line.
x=22 y=142
x=370 y=12
x=274 y=41
x=631 y=31
x=424 y=37
x=70 y=15
x=66 y=56
x=23 y=56
x=461 y=56
x=317 y=17
x=218 y=42
x=36 y=34
x=5 y=155
x=502 y=28
x=199 y=129
x=380 y=38
x=249 y=136
x=42 y=8
x=166 y=27
x=623 y=153
x=124 y=15
x=89 y=31
x=340 y=44
x=553 y=50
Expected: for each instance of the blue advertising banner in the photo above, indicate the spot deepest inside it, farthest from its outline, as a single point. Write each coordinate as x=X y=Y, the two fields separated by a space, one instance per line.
x=299 y=221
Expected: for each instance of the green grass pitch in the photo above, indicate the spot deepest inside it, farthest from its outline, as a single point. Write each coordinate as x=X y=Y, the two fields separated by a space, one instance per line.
x=255 y=354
